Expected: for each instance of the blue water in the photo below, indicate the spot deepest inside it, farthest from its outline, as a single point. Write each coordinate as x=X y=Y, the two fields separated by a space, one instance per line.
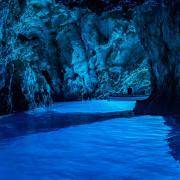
x=143 y=147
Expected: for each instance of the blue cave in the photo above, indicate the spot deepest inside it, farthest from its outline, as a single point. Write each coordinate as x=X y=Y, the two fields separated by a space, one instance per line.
x=89 y=89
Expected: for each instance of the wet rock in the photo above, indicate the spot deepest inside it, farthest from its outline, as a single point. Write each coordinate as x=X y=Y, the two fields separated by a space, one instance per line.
x=157 y=24
x=51 y=52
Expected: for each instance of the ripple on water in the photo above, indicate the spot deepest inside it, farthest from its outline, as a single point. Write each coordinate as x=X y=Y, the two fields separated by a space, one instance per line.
x=120 y=148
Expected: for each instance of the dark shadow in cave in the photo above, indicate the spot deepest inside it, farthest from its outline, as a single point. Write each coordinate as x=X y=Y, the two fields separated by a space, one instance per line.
x=22 y=4
x=46 y=76
x=99 y=6
x=25 y=38
x=21 y=124
x=162 y=100
x=173 y=137
x=160 y=103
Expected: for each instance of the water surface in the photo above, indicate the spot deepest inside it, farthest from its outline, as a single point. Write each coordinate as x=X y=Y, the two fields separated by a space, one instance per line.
x=143 y=147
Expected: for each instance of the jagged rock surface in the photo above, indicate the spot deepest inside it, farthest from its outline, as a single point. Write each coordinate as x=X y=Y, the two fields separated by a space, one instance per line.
x=51 y=52
x=158 y=26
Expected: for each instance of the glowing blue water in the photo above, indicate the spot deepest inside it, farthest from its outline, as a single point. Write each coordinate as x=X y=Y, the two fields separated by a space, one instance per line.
x=143 y=147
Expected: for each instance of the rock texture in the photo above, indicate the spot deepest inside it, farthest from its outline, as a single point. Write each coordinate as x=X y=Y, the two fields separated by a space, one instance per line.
x=158 y=25
x=53 y=50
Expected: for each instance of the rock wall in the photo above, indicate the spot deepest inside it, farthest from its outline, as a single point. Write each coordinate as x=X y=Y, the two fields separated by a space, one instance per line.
x=52 y=52
x=158 y=26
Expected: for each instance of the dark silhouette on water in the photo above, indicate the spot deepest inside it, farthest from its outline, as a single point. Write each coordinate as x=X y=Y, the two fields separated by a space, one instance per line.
x=173 y=137
x=130 y=91
x=143 y=92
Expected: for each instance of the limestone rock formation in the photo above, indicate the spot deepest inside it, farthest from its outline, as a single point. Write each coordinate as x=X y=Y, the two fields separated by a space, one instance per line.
x=158 y=26
x=52 y=51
